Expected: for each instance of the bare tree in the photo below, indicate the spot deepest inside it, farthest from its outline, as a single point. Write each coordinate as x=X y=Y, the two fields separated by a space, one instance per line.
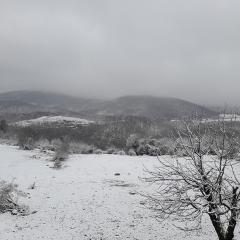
x=203 y=180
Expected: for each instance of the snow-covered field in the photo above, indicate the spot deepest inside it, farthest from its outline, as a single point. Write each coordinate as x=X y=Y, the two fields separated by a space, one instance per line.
x=84 y=200
x=225 y=117
x=54 y=119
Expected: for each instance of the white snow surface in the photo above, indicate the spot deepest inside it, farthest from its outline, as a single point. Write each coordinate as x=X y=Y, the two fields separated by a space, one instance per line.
x=224 y=117
x=83 y=200
x=54 y=119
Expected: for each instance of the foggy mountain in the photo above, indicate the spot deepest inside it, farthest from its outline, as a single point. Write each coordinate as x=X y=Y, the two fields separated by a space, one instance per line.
x=43 y=103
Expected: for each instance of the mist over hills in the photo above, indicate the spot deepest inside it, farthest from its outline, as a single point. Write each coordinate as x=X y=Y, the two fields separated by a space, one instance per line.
x=21 y=104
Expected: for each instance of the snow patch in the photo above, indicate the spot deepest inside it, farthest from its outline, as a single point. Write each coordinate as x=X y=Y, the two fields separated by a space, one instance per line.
x=54 y=119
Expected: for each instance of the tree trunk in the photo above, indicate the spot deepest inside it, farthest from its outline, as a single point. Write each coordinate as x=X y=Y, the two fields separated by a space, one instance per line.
x=229 y=234
x=217 y=226
x=232 y=221
x=230 y=230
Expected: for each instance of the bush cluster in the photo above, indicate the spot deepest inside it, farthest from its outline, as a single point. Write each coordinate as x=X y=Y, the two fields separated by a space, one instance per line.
x=148 y=146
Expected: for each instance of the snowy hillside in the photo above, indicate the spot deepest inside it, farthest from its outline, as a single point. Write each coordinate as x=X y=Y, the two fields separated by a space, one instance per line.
x=55 y=119
x=142 y=106
x=84 y=200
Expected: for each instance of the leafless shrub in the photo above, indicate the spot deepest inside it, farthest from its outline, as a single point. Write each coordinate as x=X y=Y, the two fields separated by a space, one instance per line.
x=61 y=154
x=43 y=144
x=98 y=151
x=9 y=195
x=57 y=164
x=198 y=184
x=111 y=150
x=80 y=148
x=121 y=152
x=56 y=144
x=131 y=152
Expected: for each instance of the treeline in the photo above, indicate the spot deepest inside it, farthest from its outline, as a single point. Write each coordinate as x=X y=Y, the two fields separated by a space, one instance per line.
x=110 y=136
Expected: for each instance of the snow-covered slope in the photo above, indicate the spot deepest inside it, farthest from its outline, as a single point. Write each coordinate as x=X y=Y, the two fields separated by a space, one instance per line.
x=142 y=106
x=84 y=200
x=55 y=119
x=227 y=118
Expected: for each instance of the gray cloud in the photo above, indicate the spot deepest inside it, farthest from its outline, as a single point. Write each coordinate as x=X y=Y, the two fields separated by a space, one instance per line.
x=188 y=49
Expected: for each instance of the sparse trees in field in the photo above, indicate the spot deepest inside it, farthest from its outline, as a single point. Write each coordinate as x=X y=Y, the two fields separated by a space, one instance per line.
x=197 y=183
x=26 y=137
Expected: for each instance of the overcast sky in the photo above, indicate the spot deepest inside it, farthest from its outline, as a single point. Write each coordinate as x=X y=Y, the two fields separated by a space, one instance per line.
x=107 y=48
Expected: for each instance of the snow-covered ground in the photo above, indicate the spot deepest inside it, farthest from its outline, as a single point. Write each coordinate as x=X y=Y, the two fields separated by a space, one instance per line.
x=55 y=119
x=225 y=117
x=84 y=200
x=220 y=117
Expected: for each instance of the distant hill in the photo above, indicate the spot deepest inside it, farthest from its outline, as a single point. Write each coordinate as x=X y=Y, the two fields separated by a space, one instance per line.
x=47 y=100
x=29 y=102
x=152 y=107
